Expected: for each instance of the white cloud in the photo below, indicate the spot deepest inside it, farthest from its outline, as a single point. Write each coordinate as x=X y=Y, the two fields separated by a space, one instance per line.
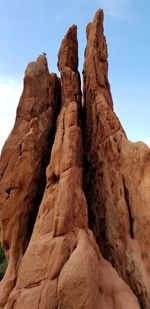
x=10 y=92
x=147 y=142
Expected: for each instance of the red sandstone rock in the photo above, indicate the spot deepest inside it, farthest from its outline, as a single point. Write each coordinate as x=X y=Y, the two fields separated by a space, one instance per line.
x=117 y=174
x=23 y=163
x=62 y=266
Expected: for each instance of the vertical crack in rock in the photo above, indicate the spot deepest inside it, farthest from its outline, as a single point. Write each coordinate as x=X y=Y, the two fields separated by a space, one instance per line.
x=131 y=220
x=114 y=170
x=54 y=91
x=23 y=164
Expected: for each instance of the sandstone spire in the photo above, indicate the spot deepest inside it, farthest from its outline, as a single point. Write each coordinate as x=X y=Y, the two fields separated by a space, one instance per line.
x=117 y=173
x=62 y=266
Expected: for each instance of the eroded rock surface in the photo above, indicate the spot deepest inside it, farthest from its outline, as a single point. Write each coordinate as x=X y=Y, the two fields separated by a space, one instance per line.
x=23 y=164
x=54 y=261
x=117 y=174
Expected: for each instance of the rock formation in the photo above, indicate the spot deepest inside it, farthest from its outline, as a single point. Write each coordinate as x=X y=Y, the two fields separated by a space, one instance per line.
x=117 y=174
x=23 y=164
x=61 y=156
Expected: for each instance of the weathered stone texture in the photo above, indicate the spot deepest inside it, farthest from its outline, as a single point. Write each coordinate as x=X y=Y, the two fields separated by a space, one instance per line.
x=23 y=163
x=117 y=174
x=60 y=157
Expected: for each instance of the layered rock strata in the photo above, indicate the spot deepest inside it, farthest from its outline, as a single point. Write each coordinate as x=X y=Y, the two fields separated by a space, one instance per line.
x=117 y=174
x=54 y=261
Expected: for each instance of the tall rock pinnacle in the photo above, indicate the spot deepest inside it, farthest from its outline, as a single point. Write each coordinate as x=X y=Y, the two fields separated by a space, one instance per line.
x=116 y=174
x=74 y=192
x=68 y=66
x=96 y=67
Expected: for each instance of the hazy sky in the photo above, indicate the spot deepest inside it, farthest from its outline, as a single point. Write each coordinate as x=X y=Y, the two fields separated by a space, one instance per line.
x=29 y=27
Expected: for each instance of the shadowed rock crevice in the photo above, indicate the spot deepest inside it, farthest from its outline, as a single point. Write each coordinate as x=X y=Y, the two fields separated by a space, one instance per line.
x=96 y=206
x=131 y=219
x=40 y=191
x=45 y=161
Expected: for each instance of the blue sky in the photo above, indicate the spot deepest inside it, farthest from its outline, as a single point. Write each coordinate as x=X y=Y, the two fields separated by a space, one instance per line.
x=29 y=27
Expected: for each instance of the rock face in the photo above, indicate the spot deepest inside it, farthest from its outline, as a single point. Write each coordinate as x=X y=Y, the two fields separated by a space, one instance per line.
x=59 y=157
x=23 y=163
x=117 y=175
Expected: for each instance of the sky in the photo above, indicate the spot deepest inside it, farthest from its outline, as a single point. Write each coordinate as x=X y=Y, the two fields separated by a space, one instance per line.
x=30 y=27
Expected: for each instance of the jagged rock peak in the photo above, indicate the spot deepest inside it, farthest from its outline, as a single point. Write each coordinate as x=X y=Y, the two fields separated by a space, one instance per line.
x=68 y=53
x=96 y=59
x=68 y=67
x=97 y=23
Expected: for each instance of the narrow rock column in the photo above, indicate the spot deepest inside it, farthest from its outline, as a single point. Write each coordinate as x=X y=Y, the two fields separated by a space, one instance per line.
x=101 y=124
x=66 y=157
x=117 y=182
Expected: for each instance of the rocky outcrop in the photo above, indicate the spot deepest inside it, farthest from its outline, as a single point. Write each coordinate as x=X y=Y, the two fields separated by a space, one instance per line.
x=23 y=164
x=62 y=155
x=117 y=174
x=62 y=258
